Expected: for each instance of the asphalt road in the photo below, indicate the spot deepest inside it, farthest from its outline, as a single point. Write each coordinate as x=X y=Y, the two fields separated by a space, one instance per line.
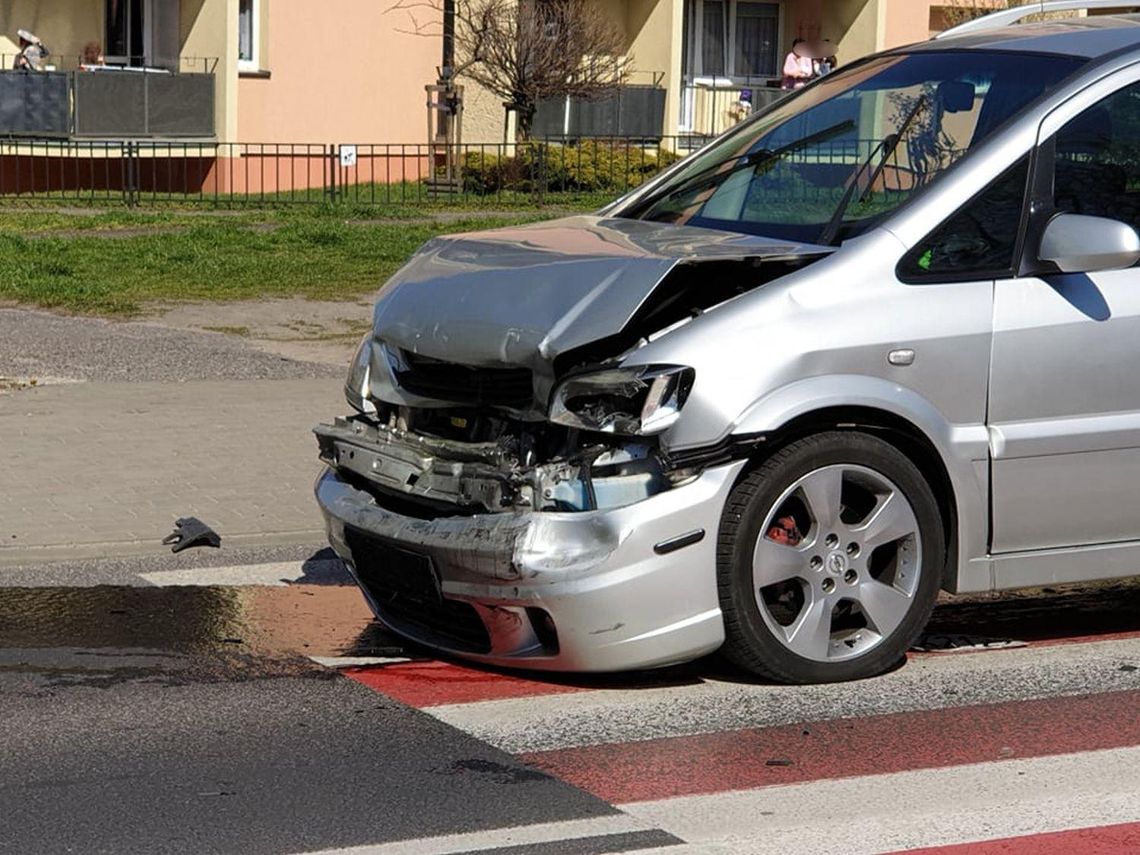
x=194 y=718
x=168 y=755
x=190 y=719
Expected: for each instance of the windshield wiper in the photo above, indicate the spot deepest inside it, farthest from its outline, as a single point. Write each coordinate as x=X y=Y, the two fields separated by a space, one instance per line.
x=886 y=146
x=757 y=158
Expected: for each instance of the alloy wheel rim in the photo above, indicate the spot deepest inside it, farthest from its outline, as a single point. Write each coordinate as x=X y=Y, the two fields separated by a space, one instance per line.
x=836 y=567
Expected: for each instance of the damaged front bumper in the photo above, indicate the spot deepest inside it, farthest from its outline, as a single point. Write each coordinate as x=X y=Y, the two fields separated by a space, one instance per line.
x=488 y=476
x=598 y=590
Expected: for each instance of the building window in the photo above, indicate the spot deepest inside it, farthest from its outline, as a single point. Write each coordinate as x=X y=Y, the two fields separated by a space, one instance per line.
x=248 y=35
x=733 y=38
x=124 y=32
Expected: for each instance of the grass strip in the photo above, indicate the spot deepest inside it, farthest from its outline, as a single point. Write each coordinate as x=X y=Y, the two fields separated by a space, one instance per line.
x=209 y=258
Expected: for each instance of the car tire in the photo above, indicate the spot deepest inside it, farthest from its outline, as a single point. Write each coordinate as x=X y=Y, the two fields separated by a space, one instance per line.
x=829 y=560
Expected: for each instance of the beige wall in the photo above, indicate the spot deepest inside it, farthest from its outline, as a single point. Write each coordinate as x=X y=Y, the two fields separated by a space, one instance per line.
x=339 y=71
x=483 y=116
x=64 y=25
x=655 y=30
x=908 y=21
x=209 y=29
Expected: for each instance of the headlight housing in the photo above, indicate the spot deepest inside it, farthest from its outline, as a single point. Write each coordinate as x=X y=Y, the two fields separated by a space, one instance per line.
x=641 y=400
x=358 y=386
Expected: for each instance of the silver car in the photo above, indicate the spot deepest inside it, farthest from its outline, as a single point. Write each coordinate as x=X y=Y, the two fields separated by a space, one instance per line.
x=880 y=340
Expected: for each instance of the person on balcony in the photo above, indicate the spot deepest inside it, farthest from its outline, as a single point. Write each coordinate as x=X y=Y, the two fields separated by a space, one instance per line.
x=92 y=57
x=799 y=67
x=32 y=52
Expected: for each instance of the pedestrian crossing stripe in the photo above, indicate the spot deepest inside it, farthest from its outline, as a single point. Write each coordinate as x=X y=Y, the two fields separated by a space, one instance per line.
x=945 y=751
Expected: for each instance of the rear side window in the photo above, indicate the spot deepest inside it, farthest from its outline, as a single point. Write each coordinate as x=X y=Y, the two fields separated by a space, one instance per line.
x=1097 y=165
x=979 y=240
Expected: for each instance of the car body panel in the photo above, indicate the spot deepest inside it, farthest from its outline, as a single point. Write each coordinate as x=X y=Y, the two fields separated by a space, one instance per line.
x=1065 y=411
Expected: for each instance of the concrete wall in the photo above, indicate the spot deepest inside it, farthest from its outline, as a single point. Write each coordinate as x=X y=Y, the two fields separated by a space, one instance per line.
x=338 y=71
x=64 y=25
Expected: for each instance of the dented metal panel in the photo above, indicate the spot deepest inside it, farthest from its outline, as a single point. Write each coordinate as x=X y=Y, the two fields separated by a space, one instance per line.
x=522 y=296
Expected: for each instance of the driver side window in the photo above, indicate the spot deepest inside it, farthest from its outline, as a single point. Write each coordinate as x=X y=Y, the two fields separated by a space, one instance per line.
x=1097 y=167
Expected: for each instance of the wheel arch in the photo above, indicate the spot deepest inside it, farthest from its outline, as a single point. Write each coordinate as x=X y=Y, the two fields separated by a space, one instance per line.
x=894 y=429
x=953 y=457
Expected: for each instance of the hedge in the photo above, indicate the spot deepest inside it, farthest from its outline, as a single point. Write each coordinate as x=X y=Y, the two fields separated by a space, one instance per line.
x=590 y=165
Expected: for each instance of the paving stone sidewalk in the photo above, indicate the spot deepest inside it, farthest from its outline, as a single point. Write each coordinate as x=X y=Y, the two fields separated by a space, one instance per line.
x=91 y=470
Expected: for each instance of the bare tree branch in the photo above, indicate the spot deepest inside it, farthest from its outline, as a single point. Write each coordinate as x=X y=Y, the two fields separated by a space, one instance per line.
x=524 y=51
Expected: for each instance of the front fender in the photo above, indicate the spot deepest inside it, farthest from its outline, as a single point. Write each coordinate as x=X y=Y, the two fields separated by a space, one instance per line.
x=963 y=448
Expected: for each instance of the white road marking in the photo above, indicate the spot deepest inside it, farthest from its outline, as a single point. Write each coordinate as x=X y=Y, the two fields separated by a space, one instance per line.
x=276 y=574
x=883 y=813
x=548 y=832
x=543 y=723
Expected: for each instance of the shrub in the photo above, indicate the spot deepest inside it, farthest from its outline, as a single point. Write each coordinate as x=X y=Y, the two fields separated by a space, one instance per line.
x=585 y=166
x=482 y=172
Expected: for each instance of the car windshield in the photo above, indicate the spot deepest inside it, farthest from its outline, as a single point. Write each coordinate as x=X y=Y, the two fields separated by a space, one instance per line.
x=831 y=161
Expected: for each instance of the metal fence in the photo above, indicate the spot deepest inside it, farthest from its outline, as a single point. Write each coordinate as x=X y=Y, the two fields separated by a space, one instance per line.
x=383 y=174
x=379 y=175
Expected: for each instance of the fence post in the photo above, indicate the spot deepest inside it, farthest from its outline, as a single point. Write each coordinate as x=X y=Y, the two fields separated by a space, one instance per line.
x=130 y=175
x=334 y=163
x=540 y=178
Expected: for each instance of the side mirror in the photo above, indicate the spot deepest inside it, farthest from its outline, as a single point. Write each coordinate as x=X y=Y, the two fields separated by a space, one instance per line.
x=1080 y=244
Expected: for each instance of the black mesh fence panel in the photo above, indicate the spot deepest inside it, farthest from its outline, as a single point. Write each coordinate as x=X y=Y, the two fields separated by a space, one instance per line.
x=34 y=104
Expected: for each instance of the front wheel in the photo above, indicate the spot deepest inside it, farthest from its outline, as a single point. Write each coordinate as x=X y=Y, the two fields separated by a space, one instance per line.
x=829 y=560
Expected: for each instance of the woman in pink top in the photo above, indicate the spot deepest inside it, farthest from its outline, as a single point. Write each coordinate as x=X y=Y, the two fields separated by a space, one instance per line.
x=798 y=68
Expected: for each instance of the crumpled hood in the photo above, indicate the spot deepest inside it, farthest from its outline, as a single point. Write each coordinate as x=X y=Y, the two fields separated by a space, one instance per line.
x=521 y=296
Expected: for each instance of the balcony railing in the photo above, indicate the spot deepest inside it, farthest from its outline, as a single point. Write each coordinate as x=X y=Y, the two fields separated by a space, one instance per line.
x=107 y=102
x=712 y=105
x=636 y=109
x=179 y=64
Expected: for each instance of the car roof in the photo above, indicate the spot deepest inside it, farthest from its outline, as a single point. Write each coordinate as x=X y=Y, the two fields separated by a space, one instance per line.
x=1091 y=37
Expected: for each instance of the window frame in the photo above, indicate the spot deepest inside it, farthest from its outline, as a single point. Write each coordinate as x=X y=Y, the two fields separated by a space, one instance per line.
x=254 y=62
x=695 y=39
x=904 y=269
x=1041 y=198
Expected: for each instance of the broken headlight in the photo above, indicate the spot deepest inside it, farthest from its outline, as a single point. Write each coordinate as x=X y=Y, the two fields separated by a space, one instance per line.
x=358 y=386
x=639 y=400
